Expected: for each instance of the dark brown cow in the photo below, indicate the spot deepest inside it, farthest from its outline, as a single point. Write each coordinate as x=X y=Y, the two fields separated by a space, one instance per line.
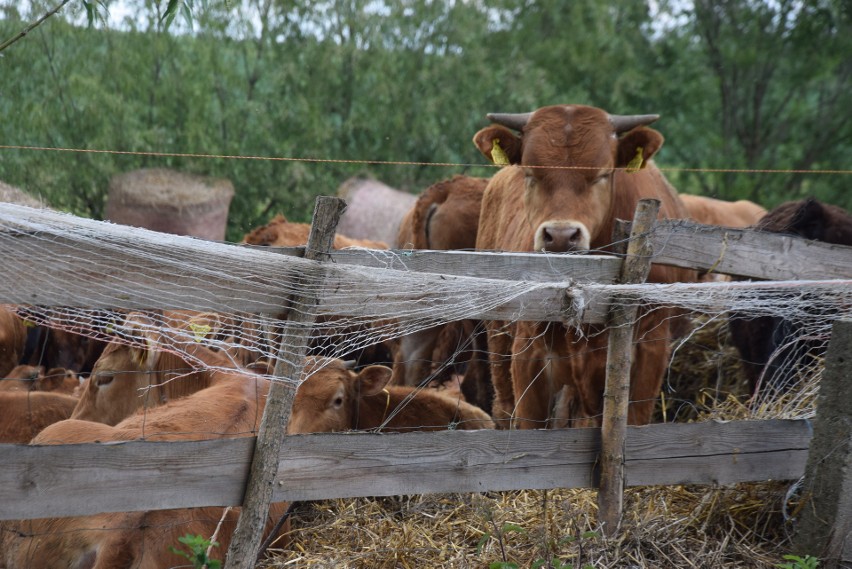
x=53 y=347
x=567 y=184
x=25 y=413
x=231 y=407
x=337 y=399
x=771 y=347
x=445 y=217
x=13 y=337
x=711 y=211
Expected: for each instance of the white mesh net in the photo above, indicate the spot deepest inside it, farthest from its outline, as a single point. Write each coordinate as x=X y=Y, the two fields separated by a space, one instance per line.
x=84 y=276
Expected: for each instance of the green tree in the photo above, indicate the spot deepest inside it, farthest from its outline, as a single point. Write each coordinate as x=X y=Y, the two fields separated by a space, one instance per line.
x=769 y=96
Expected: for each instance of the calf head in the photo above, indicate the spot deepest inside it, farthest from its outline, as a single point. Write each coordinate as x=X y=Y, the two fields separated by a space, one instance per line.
x=569 y=156
x=328 y=399
x=144 y=368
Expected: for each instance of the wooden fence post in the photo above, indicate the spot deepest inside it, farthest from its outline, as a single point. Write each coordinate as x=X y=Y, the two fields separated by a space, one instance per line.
x=825 y=525
x=622 y=316
x=246 y=540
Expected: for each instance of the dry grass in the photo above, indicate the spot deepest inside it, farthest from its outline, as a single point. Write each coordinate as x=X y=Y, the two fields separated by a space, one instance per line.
x=740 y=526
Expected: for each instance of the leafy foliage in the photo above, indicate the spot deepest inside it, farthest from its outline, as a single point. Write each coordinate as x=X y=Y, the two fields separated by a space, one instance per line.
x=740 y=84
x=798 y=562
x=197 y=551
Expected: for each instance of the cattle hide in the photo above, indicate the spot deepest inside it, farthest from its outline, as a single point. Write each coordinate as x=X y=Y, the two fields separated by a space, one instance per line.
x=771 y=347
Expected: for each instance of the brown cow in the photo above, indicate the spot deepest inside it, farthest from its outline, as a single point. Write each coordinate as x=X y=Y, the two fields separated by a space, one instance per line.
x=26 y=413
x=282 y=233
x=711 y=211
x=772 y=348
x=231 y=407
x=13 y=337
x=337 y=399
x=574 y=171
x=444 y=217
x=34 y=378
x=145 y=372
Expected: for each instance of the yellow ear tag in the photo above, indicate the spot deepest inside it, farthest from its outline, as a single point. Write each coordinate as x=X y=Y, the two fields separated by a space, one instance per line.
x=28 y=324
x=636 y=163
x=497 y=155
x=199 y=330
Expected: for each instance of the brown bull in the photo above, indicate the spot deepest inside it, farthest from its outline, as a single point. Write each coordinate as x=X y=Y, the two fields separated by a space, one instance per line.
x=445 y=217
x=573 y=171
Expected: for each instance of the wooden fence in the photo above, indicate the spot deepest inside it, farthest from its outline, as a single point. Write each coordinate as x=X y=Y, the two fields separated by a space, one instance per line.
x=130 y=476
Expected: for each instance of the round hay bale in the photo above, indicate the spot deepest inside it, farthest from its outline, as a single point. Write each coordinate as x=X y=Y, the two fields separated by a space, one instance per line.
x=11 y=194
x=373 y=210
x=171 y=202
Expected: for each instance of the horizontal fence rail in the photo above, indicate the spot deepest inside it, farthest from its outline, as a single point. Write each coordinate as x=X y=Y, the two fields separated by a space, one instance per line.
x=74 y=480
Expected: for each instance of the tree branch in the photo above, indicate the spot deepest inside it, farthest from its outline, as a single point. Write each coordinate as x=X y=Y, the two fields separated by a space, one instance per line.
x=32 y=26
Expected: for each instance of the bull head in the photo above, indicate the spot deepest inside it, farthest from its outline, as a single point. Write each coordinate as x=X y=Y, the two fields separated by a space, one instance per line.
x=620 y=123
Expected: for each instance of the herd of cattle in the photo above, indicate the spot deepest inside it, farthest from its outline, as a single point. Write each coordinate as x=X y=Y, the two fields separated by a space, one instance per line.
x=570 y=172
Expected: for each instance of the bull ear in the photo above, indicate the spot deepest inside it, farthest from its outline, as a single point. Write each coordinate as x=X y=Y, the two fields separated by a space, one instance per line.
x=141 y=328
x=373 y=379
x=499 y=144
x=637 y=147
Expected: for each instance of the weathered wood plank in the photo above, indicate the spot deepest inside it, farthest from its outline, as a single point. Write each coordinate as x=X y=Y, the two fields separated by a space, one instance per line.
x=715 y=452
x=64 y=480
x=190 y=278
x=509 y=266
x=85 y=479
x=748 y=253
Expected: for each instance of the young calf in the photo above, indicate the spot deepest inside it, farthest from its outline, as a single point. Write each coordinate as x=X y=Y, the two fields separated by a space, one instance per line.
x=231 y=407
x=26 y=413
x=334 y=398
x=148 y=370
x=34 y=378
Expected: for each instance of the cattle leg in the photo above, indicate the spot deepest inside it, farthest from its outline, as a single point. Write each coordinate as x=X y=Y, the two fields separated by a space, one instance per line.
x=533 y=370
x=500 y=358
x=650 y=361
x=412 y=362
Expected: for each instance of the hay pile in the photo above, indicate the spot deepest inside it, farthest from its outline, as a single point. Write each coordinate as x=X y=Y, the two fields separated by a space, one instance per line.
x=739 y=526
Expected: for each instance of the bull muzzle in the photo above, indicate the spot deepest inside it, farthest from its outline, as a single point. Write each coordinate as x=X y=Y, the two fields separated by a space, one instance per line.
x=562 y=237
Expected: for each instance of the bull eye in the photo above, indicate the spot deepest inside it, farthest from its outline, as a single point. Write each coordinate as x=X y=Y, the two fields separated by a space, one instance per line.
x=338 y=402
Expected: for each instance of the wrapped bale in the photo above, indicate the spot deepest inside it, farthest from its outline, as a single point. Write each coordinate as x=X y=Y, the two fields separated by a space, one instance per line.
x=11 y=194
x=171 y=202
x=373 y=210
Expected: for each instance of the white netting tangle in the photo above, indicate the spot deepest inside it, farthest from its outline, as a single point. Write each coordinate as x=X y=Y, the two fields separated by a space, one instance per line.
x=85 y=276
